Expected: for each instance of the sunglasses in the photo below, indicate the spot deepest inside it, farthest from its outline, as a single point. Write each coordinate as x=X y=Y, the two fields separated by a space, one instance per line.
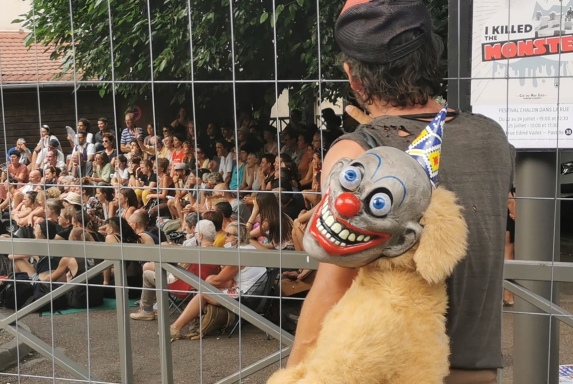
x=230 y=234
x=106 y=141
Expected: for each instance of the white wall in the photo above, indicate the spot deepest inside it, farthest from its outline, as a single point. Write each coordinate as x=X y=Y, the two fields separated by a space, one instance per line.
x=10 y=10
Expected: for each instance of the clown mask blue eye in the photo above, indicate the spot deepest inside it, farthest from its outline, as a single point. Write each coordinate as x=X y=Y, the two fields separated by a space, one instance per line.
x=350 y=178
x=380 y=204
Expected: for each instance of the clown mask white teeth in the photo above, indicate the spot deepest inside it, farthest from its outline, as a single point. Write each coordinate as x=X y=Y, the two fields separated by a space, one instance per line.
x=336 y=232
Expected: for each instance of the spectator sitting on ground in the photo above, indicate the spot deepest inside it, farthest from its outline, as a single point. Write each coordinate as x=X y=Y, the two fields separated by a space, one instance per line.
x=274 y=224
x=231 y=280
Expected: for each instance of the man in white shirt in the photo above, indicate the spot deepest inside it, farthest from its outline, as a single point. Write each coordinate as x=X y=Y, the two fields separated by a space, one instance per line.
x=53 y=145
x=85 y=153
x=226 y=160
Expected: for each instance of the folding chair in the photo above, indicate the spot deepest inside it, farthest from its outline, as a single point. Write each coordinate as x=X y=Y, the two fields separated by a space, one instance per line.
x=262 y=290
x=180 y=292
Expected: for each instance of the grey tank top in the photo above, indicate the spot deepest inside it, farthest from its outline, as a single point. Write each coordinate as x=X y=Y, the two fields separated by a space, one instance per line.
x=476 y=164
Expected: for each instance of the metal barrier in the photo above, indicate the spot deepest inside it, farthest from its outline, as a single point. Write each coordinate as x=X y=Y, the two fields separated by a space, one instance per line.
x=114 y=255
x=161 y=257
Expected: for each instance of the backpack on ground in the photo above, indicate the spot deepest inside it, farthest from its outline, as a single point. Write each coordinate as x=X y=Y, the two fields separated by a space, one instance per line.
x=43 y=288
x=214 y=320
x=16 y=290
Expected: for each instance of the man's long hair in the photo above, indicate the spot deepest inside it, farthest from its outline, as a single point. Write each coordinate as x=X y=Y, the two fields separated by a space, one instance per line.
x=410 y=80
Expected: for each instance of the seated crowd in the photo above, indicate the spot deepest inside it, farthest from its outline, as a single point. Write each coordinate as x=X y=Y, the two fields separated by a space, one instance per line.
x=184 y=187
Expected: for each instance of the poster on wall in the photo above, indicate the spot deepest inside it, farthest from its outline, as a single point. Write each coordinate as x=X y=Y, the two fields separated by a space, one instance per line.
x=522 y=69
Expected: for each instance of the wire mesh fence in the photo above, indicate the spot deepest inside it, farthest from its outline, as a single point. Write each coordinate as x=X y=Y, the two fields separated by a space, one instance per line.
x=217 y=87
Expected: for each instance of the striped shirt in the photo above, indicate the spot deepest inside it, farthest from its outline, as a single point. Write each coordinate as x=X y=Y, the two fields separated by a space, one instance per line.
x=127 y=136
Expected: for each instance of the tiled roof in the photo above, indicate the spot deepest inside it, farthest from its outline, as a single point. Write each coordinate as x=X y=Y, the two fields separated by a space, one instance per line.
x=20 y=64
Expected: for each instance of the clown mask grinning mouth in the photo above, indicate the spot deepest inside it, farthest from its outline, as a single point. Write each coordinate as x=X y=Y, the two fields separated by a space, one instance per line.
x=338 y=237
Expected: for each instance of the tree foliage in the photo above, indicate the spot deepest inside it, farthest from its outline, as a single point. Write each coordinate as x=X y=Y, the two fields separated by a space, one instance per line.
x=151 y=39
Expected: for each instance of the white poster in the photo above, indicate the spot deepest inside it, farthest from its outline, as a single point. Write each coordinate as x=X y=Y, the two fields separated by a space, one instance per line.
x=522 y=69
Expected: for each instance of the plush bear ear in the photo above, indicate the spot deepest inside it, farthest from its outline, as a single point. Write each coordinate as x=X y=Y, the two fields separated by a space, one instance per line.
x=444 y=240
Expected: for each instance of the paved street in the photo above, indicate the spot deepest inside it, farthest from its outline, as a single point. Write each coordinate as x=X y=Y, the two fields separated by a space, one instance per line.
x=218 y=357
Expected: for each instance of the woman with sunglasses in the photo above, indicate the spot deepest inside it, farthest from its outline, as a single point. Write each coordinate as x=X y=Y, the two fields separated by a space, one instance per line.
x=109 y=148
x=201 y=159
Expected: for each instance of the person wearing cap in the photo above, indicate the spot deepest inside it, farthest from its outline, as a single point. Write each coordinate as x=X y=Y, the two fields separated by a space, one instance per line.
x=394 y=65
x=24 y=154
x=74 y=200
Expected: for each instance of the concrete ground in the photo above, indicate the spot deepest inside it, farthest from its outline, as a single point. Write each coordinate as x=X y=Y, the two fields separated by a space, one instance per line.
x=194 y=362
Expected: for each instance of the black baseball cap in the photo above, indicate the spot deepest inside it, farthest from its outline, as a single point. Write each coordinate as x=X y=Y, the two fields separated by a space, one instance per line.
x=365 y=27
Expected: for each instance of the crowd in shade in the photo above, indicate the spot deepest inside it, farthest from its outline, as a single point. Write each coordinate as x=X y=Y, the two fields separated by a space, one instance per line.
x=181 y=185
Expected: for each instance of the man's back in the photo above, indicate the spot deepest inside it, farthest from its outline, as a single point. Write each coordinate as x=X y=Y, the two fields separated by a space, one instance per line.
x=476 y=165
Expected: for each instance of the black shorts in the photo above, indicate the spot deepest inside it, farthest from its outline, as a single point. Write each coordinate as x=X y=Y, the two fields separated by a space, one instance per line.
x=510 y=227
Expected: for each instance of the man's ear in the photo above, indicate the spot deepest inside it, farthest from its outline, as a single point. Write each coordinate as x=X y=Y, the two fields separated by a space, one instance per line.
x=355 y=83
x=402 y=243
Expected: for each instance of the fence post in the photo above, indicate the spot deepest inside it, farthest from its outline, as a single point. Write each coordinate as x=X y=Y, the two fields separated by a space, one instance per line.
x=536 y=334
x=123 y=331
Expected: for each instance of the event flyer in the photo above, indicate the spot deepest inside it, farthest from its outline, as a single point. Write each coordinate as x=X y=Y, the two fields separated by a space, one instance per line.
x=522 y=69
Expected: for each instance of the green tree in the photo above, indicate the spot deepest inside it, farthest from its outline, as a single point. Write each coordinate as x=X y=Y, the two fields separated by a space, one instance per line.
x=80 y=38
